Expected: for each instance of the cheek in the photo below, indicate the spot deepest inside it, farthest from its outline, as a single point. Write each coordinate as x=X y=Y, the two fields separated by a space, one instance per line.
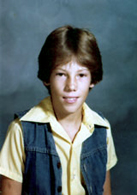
x=55 y=87
x=85 y=85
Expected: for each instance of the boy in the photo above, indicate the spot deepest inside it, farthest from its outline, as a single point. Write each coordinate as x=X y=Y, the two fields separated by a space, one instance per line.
x=61 y=146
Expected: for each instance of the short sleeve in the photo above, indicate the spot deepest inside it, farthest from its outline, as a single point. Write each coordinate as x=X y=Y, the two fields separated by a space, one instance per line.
x=12 y=155
x=112 y=158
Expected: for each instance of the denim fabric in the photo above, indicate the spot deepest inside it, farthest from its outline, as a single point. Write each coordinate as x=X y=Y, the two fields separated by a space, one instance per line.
x=94 y=160
x=43 y=170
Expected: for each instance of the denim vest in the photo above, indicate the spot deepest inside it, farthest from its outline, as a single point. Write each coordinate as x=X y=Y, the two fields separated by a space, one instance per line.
x=42 y=174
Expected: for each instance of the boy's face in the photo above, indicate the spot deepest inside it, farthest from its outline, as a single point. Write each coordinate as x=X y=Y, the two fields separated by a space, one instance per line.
x=69 y=87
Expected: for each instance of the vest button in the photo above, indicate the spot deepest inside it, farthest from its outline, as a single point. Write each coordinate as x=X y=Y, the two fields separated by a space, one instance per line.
x=59 y=188
x=59 y=165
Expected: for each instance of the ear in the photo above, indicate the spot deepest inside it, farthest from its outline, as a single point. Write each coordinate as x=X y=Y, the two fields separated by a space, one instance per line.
x=46 y=84
x=91 y=85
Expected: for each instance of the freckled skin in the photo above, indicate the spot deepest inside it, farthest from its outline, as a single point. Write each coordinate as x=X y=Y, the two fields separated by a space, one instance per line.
x=69 y=85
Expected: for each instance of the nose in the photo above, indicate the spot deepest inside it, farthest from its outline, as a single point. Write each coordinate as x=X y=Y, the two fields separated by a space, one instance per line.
x=71 y=84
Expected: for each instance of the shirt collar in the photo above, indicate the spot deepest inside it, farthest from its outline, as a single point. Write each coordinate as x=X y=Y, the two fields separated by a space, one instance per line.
x=92 y=118
x=43 y=113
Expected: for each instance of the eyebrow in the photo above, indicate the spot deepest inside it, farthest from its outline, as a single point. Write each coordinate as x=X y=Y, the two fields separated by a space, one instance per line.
x=84 y=69
x=80 y=70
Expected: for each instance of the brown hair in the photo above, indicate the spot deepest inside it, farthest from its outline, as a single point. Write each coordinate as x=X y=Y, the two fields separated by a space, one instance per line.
x=66 y=43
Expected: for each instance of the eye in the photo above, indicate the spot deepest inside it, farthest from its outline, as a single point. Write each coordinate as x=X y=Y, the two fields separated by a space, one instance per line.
x=82 y=75
x=60 y=74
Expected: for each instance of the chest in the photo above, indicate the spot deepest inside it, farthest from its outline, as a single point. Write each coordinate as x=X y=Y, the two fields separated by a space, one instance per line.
x=45 y=152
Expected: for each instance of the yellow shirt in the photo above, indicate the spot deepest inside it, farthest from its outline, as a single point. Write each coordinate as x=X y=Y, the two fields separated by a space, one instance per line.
x=12 y=155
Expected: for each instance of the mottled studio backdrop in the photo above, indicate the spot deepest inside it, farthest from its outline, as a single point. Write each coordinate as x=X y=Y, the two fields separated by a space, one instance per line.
x=24 y=26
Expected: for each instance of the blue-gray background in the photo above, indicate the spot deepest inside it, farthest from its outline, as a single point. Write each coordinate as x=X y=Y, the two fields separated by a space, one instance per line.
x=24 y=26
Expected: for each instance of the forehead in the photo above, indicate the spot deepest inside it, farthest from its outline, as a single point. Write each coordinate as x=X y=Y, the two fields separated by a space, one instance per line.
x=72 y=65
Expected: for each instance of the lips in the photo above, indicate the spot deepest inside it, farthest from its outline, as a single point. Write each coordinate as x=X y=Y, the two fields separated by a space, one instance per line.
x=70 y=100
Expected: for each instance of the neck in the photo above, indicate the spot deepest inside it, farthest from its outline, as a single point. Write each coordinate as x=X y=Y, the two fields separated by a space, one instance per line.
x=71 y=119
x=71 y=123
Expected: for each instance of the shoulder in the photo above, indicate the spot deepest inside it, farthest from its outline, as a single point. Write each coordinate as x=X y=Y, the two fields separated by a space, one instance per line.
x=39 y=113
x=14 y=131
x=96 y=118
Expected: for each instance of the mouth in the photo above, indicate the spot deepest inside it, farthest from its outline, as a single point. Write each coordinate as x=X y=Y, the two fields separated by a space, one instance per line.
x=70 y=100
